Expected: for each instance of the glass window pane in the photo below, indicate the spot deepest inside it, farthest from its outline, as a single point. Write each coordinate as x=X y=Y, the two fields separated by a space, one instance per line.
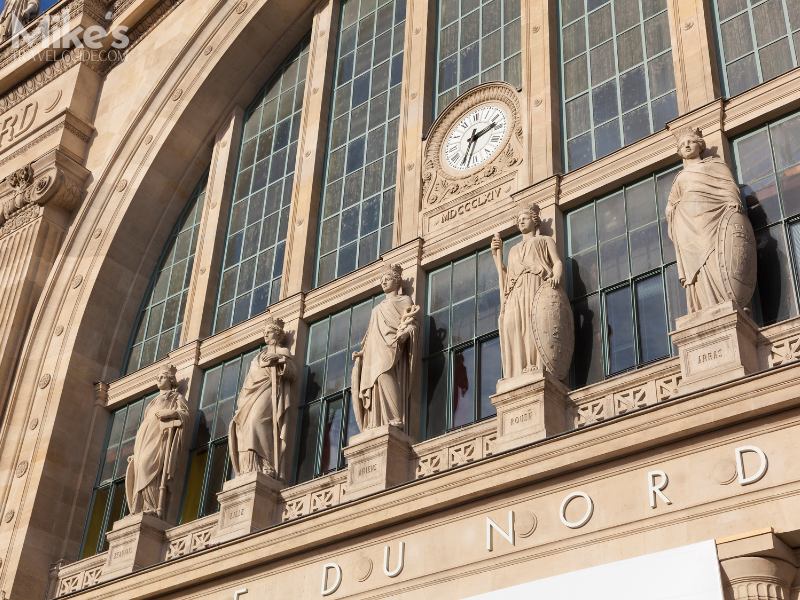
x=619 y=330
x=587 y=362
x=629 y=98
x=170 y=282
x=331 y=437
x=277 y=144
x=369 y=99
x=94 y=526
x=215 y=477
x=310 y=426
x=775 y=298
x=491 y=372
x=651 y=319
x=463 y=387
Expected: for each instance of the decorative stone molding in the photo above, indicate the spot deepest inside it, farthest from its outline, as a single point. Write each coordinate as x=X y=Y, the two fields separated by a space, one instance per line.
x=455 y=449
x=313 y=496
x=440 y=186
x=53 y=180
x=34 y=83
x=191 y=537
x=77 y=576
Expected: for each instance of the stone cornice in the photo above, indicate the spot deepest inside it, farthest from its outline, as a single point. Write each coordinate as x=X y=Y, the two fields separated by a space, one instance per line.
x=555 y=461
x=44 y=76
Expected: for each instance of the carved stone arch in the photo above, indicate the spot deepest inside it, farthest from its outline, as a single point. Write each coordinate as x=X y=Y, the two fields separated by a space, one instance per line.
x=80 y=328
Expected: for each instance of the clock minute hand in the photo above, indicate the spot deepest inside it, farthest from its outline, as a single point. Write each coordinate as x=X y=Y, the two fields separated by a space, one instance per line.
x=485 y=130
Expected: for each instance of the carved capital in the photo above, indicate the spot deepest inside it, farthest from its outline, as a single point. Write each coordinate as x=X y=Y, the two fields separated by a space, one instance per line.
x=53 y=180
x=758 y=578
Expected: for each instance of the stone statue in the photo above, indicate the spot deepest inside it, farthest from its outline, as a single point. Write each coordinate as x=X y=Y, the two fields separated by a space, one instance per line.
x=16 y=14
x=714 y=241
x=535 y=324
x=382 y=375
x=258 y=433
x=156 y=449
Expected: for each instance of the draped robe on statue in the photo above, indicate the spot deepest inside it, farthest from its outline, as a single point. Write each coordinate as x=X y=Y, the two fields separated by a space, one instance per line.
x=152 y=449
x=261 y=414
x=701 y=195
x=381 y=380
x=21 y=10
x=530 y=263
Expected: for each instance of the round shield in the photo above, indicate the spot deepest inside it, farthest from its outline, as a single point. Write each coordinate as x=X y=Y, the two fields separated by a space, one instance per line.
x=553 y=329
x=736 y=256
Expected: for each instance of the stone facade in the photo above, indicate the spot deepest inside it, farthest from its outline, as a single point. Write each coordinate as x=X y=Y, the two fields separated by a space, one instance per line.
x=99 y=150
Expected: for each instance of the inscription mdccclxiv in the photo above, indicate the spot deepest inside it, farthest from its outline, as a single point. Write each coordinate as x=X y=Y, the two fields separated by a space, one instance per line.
x=469 y=205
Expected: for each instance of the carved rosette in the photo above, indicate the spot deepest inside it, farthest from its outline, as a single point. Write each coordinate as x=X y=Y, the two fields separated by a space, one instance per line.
x=440 y=183
x=51 y=180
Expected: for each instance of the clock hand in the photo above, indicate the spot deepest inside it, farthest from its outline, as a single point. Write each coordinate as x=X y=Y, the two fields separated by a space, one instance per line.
x=470 y=146
x=485 y=130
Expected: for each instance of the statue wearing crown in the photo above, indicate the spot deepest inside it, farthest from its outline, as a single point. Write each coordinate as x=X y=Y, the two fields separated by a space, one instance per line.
x=382 y=375
x=535 y=322
x=258 y=433
x=714 y=241
x=156 y=448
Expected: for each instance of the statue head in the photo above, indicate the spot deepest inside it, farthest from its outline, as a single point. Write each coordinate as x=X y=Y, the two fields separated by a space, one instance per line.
x=167 y=379
x=690 y=142
x=528 y=219
x=273 y=331
x=391 y=278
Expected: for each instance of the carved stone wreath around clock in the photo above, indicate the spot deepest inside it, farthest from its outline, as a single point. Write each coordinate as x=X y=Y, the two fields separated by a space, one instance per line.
x=477 y=139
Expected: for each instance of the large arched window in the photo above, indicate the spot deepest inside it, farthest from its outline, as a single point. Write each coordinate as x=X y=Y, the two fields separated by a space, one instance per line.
x=361 y=158
x=259 y=217
x=158 y=330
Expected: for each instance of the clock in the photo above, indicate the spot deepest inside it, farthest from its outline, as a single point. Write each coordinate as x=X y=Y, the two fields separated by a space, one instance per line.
x=476 y=137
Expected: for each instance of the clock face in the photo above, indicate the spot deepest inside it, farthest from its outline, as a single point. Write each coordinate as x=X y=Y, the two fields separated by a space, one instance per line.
x=476 y=137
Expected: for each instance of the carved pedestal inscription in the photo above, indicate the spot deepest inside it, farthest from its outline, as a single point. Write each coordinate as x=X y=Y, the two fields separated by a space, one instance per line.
x=378 y=459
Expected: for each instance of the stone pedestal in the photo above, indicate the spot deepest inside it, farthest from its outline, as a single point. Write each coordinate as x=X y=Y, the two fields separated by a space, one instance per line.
x=378 y=459
x=529 y=407
x=715 y=345
x=135 y=542
x=246 y=504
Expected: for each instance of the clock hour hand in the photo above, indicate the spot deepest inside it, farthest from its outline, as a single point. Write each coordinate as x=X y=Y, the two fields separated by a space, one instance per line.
x=470 y=148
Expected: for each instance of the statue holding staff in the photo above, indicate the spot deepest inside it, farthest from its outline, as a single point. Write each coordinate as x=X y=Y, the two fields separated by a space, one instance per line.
x=713 y=238
x=155 y=450
x=258 y=433
x=382 y=376
x=535 y=323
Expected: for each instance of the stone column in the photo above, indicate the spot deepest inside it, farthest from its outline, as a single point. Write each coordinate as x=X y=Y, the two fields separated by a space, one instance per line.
x=693 y=57
x=199 y=313
x=36 y=204
x=415 y=115
x=540 y=91
x=301 y=248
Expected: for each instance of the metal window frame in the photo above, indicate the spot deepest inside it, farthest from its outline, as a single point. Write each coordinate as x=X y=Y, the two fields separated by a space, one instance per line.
x=630 y=281
x=458 y=87
x=295 y=55
x=329 y=150
x=785 y=221
x=451 y=349
x=196 y=198
x=646 y=60
x=723 y=64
